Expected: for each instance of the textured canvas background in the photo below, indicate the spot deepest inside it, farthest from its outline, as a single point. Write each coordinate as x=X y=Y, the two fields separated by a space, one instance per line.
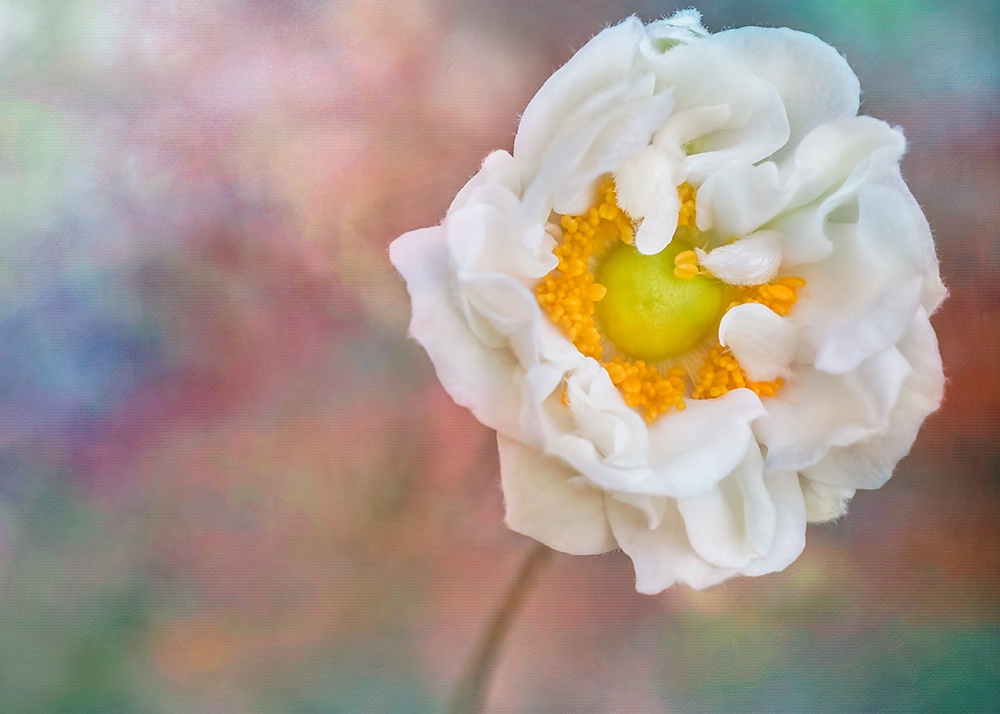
x=229 y=483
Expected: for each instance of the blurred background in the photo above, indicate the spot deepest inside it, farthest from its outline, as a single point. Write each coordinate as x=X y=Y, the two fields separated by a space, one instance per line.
x=228 y=481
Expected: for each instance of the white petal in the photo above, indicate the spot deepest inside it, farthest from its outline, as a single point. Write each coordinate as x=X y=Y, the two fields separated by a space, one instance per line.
x=682 y=27
x=498 y=169
x=646 y=187
x=849 y=151
x=486 y=381
x=862 y=298
x=684 y=454
x=501 y=312
x=740 y=198
x=816 y=410
x=606 y=61
x=815 y=83
x=732 y=523
x=487 y=234
x=755 y=125
x=662 y=556
x=869 y=463
x=921 y=244
x=601 y=417
x=824 y=502
x=692 y=450
x=824 y=177
x=598 y=435
x=762 y=341
x=684 y=126
x=753 y=260
x=789 y=528
x=606 y=128
x=546 y=502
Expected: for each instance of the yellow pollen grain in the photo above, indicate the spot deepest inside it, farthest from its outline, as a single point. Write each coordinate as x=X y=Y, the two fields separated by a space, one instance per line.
x=686 y=265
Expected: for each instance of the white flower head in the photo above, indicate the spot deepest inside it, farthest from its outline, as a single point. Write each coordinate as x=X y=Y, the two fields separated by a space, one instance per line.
x=693 y=302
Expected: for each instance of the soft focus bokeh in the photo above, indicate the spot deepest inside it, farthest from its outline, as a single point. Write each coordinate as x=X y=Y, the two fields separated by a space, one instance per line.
x=230 y=483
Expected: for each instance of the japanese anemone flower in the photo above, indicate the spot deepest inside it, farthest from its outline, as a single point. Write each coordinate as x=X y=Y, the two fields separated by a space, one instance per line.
x=693 y=302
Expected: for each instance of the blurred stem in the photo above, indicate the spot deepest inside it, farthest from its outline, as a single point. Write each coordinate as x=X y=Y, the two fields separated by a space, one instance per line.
x=470 y=694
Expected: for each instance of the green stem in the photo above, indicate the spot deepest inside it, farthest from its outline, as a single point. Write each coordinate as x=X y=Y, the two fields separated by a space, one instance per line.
x=470 y=694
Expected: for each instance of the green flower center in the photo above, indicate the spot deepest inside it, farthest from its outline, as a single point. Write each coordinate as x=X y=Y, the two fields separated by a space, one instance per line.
x=648 y=312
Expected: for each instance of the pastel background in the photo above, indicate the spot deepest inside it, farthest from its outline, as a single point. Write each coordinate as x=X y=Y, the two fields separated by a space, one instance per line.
x=230 y=483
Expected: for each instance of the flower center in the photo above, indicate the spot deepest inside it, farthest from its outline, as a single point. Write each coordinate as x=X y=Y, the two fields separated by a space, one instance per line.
x=656 y=314
x=649 y=313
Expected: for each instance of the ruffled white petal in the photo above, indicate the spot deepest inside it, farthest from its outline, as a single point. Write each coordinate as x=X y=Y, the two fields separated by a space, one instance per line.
x=646 y=188
x=763 y=342
x=734 y=522
x=740 y=198
x=682 y=456
x=702 y=445
x=546 y=502
x=824 y=502
x=861 y=299
x=498 y=169
x=485 y=380
x=748 y=126
x=607 y=61
x=774 y=523
x=600 y=417
x=869 y=462
x=682 y=27
x=789 y=526
x=753 y=260
x=662 y=556
x=815 y=84
x=823 y=177
x=609 y=127
x=817 y=410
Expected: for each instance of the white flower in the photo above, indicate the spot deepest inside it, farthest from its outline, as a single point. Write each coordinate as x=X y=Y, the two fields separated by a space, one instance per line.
x=761 y=351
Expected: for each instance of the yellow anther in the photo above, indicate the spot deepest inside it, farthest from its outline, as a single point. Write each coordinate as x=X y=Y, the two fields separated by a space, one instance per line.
x=685 y=266
x=627 y=234
x=686 y=272
x=685 y=257
x=780 y=292
x=596 y=292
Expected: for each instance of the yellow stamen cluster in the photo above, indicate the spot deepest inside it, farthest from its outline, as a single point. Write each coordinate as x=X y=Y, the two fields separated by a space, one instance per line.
x=720 y=373
x=779 y=295
x=569 y=292
x=644 y=387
